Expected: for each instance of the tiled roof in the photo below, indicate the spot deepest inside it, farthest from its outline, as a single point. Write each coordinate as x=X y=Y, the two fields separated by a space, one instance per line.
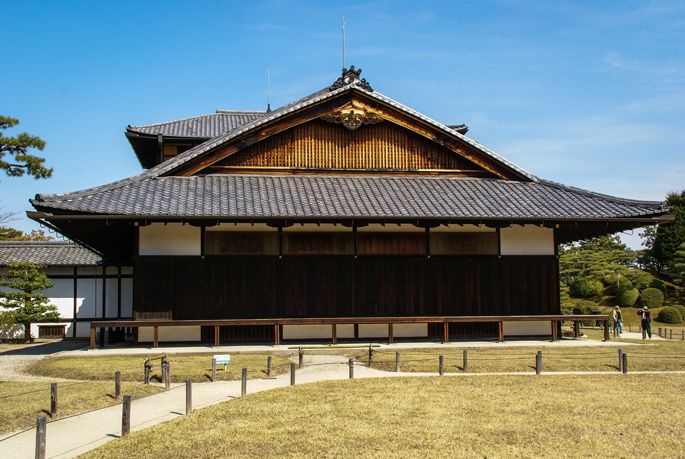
x=51 y=253
x=202 y=126
x=289 y=196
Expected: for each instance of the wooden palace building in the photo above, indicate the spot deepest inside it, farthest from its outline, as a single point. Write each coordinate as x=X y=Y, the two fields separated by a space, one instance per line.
x=342 y=215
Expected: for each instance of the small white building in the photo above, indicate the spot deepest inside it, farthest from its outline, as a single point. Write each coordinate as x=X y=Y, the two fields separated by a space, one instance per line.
x=82 y=292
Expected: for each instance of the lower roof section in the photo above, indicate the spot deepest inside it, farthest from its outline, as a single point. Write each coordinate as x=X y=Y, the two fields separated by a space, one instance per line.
x=51 y=253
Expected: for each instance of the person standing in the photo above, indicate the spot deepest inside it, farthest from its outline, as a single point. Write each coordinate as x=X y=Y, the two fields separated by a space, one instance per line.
x=618 y=320
x=646 y=322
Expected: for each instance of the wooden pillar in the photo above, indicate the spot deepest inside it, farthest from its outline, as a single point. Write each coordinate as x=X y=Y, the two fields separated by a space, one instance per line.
x=554 y=331
x=501 y=332
x=390 y=337
x=334 y=333
x=447 y=332
x=606 y=330
x=155 y=342
x=92 y=337
x=576 y=329
x=217 y=335
x=356 y=331
x=104 y=302
x=277 y=335
x=73 y=323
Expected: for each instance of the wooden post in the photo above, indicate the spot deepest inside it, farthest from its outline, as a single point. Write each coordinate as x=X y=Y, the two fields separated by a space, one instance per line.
x=243 y=385
x=447 y=332
x=53 y=400
x=390 y=337
x=370 y=355
x=117 y=385
x=538 y=363
x=625 y=363
x=189 y=396
x=607 y=336
x=671 y=334
x=301 y=352
x=166 y=379
x=126 y=416
x=630 y=327
x=155 y=340
x=501 y=332
x=576 y=329
x=351 y=364
x=334 y=333
x=292 y=374
x=466 y=361
x=92 y=338
x=659 y=332
x=397 y=362
x=441 y=368
x=217 y=336
x=683 y=338
x=554 y=331
x=148 y=370
x=41 y=433
x=213 y=369
x=620 y=360
x=277 y=335
x=268 y=366
x=356 y=331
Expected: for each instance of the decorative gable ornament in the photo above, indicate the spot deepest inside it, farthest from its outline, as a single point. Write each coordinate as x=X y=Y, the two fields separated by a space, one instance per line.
x=351 y=76
x=351 y=119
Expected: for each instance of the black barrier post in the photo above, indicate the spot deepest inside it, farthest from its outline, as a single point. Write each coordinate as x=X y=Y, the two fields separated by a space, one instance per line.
x=268 y=366
x=370 y=355
x=213 y=369
x=53 y=400
x=189 y=396
x=625 y=363
x=301 y=357
x=126 y=416
x=243 y=386
x=292 y=374
x=117 y=385
x=538 y=363
x=148 y=370
x=397 y=362
x=41 y=433
x=442 y=365
x=351 y=364
x=466 y=361
x=620 y=360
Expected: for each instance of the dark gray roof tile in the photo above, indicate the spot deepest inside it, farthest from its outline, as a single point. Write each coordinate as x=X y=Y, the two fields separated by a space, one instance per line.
x=51 y=253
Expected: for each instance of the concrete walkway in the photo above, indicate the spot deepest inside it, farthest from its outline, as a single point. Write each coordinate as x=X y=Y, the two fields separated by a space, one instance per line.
x=72 y=436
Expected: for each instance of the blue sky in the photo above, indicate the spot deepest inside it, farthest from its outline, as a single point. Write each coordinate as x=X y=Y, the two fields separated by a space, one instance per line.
x=590 y=94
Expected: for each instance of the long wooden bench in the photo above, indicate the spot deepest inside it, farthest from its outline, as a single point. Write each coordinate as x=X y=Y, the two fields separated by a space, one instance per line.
x=333 y=321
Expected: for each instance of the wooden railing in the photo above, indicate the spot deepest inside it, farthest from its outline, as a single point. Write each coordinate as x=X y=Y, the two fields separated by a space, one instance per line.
x=333 y=321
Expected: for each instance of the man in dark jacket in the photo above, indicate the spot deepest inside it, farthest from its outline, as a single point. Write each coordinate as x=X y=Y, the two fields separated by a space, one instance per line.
x=646 y=322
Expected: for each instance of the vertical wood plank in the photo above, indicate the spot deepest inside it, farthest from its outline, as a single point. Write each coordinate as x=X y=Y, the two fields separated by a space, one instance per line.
x=390 y=334
x=334 y=333
x=217 y=336
x=155 y=342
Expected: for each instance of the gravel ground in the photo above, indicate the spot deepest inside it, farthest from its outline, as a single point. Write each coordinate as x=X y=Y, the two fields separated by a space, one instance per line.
x=14 y=358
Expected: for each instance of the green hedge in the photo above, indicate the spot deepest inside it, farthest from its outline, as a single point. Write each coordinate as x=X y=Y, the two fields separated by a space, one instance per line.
x=652 y=298
x=627 y=297
x=680 y=308
x=670 y=316
x=585 y=287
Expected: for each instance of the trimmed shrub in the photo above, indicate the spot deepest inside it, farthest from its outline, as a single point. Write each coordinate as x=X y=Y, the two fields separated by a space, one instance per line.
x=609 y=280
x=585 y=287
x=670 y=316
x=567 y=308
x=659 y=284
x=624 y=284
x=627 y=297
x=652 y=298
x=640 y=279
x=585 y=307
x=680 y=308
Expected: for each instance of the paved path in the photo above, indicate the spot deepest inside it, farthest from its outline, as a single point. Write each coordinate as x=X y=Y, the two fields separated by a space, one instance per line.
x=72 y=436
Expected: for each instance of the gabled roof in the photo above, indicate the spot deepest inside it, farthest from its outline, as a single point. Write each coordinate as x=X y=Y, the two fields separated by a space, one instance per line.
x=201 y=126
x=51 y=253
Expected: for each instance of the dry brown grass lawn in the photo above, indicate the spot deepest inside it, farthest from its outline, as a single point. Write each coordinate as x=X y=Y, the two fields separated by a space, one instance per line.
x=194 y=366
x=514 y=416
x=20 y=411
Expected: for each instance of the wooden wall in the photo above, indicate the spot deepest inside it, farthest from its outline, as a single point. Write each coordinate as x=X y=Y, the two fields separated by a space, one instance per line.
x=321 y=145
x=271 y=287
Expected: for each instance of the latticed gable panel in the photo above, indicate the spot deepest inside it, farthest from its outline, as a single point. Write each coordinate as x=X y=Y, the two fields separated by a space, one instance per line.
x=321 y=145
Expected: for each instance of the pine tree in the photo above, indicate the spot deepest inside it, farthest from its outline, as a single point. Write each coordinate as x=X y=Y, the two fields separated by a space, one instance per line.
x=678 y=272
x=25 y=302
x=22 y=162
x=663 y=244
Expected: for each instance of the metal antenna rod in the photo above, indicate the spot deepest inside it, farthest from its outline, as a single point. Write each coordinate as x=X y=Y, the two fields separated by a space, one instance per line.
x=343 y=24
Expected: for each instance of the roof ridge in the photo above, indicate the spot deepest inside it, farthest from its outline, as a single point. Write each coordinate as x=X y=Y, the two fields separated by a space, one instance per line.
x=241 y=112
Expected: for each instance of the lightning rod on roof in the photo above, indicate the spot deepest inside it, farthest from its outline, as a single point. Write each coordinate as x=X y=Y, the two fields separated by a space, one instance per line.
x=268 y=91
x=343 y=24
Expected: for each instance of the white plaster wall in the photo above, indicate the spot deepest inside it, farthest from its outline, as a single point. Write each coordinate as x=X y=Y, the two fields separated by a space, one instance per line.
x=62 y=296
x=82 y=330
x=344 y=331
x=170 y=239
x=86 y=298
x=532 y=328
x=15 y=332
x=127 y=297
x=308 y=331
x=171 y=333
x=373 y=331
x=410 y=330
x=527 y=240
